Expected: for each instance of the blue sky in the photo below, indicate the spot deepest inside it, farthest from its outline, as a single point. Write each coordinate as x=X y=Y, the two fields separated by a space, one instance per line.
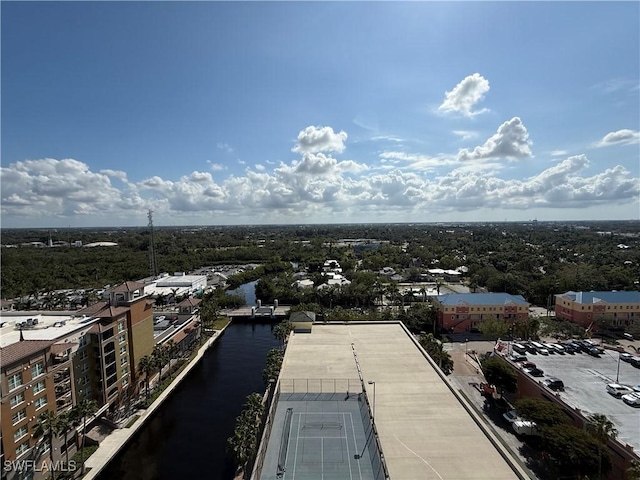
x=309 y=112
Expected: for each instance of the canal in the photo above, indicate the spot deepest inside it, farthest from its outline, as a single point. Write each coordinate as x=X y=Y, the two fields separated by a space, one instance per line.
x=187 y=436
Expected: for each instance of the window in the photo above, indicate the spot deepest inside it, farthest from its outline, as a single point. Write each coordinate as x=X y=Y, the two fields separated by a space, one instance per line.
x=121 y=339
x=15 y=380
x=17 y=400
x=19 y=416
x=84 y=367
x=125 y=371
x=123 y=361
x=125 y=382
x=21 y=432
x=41 y=402
x=121 y=327
x=22 y=448
x=38 y=387
x=83 y=355
x=123 y=350
x=37 y=370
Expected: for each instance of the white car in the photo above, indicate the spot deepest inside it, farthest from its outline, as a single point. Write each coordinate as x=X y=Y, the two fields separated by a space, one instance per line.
x=626 y=357
x=511 y=416
x=632 y=399
x=558 y=348
x=618 y=390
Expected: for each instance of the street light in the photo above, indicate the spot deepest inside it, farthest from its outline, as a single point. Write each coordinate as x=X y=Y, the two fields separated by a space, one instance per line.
x=373 y=413
x=466 y=349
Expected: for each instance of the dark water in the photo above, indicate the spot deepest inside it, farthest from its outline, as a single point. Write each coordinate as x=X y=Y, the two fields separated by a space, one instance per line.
x=246 y=290
x=187 y=436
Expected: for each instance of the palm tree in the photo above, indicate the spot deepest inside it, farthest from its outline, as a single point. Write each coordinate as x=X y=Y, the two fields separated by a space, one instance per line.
x=633 y=472
x=281 y=331
x=46 y=428
x=148 y=366
x=172 y=350
x=602 y=429
x=64 y=426
x=161 y=355
x=82 y=410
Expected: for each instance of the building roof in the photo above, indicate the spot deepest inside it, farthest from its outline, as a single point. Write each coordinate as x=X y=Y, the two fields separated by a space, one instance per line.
x=453 y=299
x=190 y=302
x=303 y=317
x=424 y=427
x=20 y=350
x=103 y=310
x=128 y=287
x=607 y=297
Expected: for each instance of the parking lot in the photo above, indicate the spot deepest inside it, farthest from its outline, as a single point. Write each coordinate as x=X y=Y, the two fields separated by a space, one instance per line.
x=585 y=378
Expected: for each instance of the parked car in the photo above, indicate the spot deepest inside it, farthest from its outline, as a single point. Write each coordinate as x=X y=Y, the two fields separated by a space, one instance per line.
x=558 y=348
x=527 y=364
x=628 y=336
x=635 y=361
x=632 y=399
x=534 y=372
x=549 y=347
x=594 y=352
x=570 y=347
x=517 y=357
x=554 y=383
x=626 y=357
x=519 y=348
x=510 y=416
x=525 y=427
x=618 y=390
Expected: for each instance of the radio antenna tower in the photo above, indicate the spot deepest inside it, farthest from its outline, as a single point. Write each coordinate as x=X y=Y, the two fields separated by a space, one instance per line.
x=153 y=264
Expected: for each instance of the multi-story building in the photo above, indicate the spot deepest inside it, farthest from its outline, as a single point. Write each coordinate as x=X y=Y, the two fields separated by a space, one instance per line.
x=461 y=312
x=621 y=309
x=121 y=336
x=49 y=361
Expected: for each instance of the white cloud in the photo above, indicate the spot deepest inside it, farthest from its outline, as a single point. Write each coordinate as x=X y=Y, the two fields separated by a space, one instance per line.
x=465 y=95
x=511 y=142
x=619 y=137
x=217 y=167
x=466 y=134
x=259 y=167
x=320 y=139
x=388 y=138
x=417 y=161
x=224 y=146
x=558 y=153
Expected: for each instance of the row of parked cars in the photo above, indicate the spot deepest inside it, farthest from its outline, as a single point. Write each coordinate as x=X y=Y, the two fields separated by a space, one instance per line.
x=629 y=395
x=560 y=348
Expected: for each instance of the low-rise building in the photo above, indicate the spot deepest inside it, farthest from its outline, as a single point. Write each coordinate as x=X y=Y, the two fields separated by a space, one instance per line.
x=461 y=312
x=622 y=309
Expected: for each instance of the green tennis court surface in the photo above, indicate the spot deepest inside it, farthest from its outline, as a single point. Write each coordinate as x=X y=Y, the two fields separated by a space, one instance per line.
x=319 y=440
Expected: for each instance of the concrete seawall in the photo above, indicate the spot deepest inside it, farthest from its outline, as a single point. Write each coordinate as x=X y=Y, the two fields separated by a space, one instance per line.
x=116 y=441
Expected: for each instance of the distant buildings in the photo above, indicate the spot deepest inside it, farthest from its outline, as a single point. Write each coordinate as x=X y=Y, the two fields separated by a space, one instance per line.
x=460 y=312
x=622 y=309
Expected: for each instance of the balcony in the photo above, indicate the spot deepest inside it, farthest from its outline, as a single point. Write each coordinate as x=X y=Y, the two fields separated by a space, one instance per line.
x=62 y=376
x=63 y=388
x=60 y=358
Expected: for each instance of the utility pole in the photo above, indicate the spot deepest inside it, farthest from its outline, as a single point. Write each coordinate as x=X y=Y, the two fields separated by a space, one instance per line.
x=153 y=266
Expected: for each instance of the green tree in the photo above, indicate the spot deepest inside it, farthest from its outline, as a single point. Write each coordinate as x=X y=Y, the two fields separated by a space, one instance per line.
x=272 y=366
x=282 y=330
x=493 y=328
x=571 y=451
x=148 y=366
x=64 y=427
x=46 y=429
x=437 y=353
x=161 y=356
x=542 y=412
x=633 y=472
x=82 y=411
x=602 y=429
x=499 y=373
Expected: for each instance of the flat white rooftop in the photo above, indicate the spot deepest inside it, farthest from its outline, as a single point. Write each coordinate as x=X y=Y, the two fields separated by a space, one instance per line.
x=425 y=432
x=49 y=327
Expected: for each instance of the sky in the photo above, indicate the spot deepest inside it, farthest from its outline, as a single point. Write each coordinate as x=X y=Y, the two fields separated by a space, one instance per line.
x=243 y=113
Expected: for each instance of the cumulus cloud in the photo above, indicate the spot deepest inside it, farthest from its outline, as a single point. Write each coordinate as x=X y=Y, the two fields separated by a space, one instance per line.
x=465 y=134
x=619 y=137
x=320 y=139
x=465 y=95
x=510 y=142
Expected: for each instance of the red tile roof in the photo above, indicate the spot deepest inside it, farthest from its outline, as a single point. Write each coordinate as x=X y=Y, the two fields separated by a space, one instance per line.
x=190 y=302
x=102 y=310
x=21 y=350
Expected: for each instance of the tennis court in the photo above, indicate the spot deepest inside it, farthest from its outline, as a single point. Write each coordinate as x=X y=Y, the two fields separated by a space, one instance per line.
x=319 y=440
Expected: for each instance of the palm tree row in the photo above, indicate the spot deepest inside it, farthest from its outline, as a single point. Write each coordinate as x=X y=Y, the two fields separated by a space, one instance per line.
x=160 y=356
x=51 y=425
x=243 y=444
